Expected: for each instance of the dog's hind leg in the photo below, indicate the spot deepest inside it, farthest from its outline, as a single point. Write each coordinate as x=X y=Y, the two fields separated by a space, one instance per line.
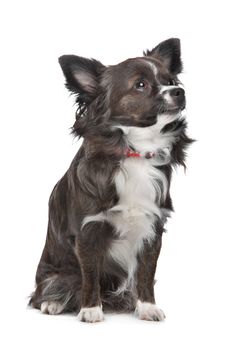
x=57 y=293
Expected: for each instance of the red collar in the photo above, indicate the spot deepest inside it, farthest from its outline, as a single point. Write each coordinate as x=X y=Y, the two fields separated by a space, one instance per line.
x=130 y=153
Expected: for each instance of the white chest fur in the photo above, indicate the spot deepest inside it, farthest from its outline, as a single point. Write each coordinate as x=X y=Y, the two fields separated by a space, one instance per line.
x=140 y=187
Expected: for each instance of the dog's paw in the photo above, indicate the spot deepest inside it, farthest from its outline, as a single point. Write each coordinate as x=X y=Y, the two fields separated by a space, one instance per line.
x=149 y=312
x=91 y=314
x=51 y=307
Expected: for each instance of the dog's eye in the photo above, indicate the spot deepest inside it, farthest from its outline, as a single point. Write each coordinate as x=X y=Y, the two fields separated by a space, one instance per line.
x=171 y=82
x=140 y=85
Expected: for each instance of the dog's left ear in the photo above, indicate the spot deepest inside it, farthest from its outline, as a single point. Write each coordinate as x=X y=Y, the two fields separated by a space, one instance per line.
x=82 y=76
x=169 y=52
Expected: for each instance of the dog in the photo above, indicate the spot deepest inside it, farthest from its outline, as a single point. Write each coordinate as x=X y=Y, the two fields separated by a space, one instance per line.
x=107 y=213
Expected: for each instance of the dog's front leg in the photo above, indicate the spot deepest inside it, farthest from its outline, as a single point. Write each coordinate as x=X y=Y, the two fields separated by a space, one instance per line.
x=90 y=250
x=146 y=309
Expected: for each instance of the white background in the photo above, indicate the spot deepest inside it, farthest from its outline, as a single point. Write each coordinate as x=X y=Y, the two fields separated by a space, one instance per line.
x=194 y=285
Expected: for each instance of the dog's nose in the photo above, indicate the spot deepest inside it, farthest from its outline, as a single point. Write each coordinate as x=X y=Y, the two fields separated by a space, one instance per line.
x=177 y=92
x=178 y=96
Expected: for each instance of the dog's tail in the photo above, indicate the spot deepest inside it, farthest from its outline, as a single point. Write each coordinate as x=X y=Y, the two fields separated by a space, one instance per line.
x=57 y=289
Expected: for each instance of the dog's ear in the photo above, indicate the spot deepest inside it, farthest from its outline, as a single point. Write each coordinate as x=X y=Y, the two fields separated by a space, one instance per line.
x=169 y=52
x=82 y=75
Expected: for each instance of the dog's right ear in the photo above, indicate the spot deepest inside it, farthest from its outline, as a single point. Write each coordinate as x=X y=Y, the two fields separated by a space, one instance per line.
x=169 y=52
x=82 y=75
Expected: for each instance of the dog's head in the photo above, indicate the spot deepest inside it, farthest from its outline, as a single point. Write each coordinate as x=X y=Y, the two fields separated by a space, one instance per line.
x=132 y=93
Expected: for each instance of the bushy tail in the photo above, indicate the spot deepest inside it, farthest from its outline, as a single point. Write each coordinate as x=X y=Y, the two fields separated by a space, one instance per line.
x=65 y=290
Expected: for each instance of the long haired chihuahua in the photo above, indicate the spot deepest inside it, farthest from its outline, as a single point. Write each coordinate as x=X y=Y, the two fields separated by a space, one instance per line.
x=107 y=213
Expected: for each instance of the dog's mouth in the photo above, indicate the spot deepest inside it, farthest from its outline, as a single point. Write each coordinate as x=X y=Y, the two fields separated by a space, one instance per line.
x=166 y=111
x=173 y=109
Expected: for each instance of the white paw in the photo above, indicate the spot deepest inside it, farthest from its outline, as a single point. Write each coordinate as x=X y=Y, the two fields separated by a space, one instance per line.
x=51 y=307
x=149 y=312
x=91 y=314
